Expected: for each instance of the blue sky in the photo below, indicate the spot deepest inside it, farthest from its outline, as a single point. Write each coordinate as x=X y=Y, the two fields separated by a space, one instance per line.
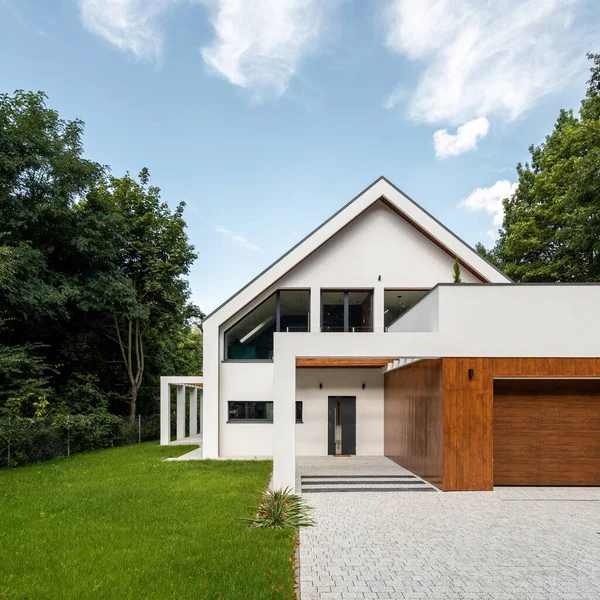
x=267 y=116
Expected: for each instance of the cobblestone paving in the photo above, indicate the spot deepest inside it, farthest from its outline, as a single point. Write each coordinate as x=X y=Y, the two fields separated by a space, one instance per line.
x=513 y=543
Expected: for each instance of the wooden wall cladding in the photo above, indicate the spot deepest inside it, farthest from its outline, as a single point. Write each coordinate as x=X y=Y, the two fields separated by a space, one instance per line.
x=413 y=418
x=305 y=363
x=469 y=410
x=468 y=460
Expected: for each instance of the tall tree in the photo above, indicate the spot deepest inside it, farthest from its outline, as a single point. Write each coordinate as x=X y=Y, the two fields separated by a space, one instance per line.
x=551 y=229
x=79 y=252
x=147 y=294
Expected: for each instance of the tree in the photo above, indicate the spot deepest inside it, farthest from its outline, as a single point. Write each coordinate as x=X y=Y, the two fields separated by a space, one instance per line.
x=551 y=229
x=84 y=259
x=45 y=251
x=146 y=294
x=456 y=271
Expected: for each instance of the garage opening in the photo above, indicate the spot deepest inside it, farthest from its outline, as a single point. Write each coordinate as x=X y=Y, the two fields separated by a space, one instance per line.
x=547 y=432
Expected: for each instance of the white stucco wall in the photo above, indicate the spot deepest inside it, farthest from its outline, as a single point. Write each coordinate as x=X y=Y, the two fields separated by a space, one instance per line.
x=311 y=435
x=245 y=382
x=423 y=316
x=379 y=242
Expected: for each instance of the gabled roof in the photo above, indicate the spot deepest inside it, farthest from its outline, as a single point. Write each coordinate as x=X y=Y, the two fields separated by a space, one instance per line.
x=396 y=199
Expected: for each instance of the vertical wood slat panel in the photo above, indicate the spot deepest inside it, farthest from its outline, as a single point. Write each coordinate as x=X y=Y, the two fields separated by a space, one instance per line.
x=414 y=420
x=449 y=426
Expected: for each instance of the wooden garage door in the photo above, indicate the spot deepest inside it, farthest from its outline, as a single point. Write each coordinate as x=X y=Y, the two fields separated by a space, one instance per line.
x=547 y=432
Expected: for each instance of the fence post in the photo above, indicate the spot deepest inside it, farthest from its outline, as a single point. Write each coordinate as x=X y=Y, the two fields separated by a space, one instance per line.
x=68 y=435
x=139 y=429
x=9 y=431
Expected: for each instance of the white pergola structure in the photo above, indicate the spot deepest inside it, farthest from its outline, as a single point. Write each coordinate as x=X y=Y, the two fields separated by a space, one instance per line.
x=194 y=385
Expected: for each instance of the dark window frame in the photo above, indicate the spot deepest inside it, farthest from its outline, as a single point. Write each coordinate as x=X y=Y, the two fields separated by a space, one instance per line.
x=276 y=293
x=230 y=420
x=347 y=293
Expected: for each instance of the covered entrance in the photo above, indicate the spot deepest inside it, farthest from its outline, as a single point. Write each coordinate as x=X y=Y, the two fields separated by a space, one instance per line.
x=341 y=425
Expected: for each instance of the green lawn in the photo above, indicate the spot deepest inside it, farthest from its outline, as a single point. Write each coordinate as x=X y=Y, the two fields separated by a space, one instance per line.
x=122 y=523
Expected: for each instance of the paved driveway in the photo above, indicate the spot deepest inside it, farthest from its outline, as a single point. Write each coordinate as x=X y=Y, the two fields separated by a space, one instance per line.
x=525 y=543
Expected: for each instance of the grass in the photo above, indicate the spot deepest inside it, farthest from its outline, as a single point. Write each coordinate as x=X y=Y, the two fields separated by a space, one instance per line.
x=121 y=523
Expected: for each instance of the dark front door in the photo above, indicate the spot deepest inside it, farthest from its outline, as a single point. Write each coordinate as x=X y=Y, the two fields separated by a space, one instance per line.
x=341 y=425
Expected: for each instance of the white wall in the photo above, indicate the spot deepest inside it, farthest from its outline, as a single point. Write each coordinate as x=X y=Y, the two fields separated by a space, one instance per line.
x=561 y=320
x=311 y=435
x=379 y=242
x=245 y=382
x=423 y=316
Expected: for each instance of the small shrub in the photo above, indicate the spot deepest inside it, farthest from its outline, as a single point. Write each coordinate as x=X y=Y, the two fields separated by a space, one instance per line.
x=280 y=509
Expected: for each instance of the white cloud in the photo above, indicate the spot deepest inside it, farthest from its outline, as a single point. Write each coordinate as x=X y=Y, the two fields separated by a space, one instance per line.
x=240 y=240
x=466 y=138
x=485 y=58
x=490 y=200
x=259 y=45
x=131 y=25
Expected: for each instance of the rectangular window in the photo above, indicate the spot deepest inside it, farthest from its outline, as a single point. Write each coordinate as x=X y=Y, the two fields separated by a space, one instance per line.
x=294 y=310
x=349 y=311
x=298 y=411
x=397 y=302
x=250 y=411
x=251 y=338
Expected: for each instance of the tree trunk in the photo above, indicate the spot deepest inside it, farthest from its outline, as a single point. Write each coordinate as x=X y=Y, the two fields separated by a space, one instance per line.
x=132 y=352
x=133 y=405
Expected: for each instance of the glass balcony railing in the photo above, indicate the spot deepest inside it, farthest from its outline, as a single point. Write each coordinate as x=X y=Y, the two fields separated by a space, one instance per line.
x=340 y=329
x=297 y=329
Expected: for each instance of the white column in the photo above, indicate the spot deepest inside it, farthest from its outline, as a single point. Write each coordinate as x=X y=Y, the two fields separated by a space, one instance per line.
x=378 y=308
x=284 y=420
x=210 y=393
x=180 y=412
x=193 y=411
x=165 y=411
x=315 y=310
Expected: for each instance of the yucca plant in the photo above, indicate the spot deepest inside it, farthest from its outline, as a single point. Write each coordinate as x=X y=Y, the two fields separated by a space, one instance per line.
x=280 y=509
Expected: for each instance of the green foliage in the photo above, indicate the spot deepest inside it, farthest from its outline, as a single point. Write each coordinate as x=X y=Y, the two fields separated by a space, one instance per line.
x=122 y=523
x=551 y=229
x=280 y=509
x=456 y=272
x=94 y=304
x=46 y=435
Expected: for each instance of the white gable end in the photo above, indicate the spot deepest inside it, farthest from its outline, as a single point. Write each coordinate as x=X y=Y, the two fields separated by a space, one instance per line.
x=377 y=243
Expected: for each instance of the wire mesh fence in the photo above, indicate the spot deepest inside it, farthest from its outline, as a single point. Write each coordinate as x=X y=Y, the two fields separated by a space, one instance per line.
x=24 y=441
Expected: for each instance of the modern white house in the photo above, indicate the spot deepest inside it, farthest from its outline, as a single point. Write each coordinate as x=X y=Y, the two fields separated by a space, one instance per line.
x=356 y=342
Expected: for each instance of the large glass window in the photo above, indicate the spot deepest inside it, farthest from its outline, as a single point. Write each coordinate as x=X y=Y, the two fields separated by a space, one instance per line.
x=251 y=338
x=294 y=310
x=347 y=311
x=397 y=302
x=360 y=305
x=250 y=411
x=332 y=311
